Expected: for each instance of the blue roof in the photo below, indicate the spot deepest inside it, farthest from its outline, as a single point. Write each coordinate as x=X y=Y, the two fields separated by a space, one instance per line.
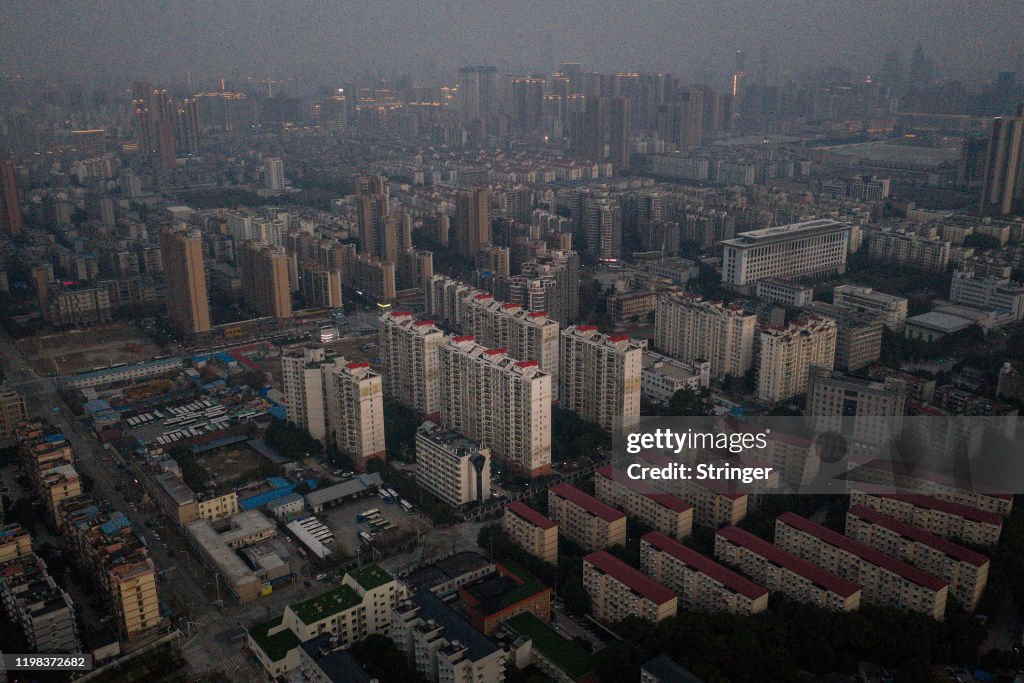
x=279 y=412
x=54 y=438
x=116 y=522
x=97 y=405
x=277 y=482
x=261 y=499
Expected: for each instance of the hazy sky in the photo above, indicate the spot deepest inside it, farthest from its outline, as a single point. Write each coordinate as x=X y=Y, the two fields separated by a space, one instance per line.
x=336 y=38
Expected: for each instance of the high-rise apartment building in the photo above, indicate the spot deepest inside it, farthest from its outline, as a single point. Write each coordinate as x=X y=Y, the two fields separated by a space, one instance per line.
x=34 y=602
x=702 y=583
x=12 y=411
x=187 y=304
x=528 y=102
x=617 y=591
x=377 y=234
x=858 y=335
x=893 y=309
x=602 y=228
x=472 y=221
x=600 y=376
x=10 y=204
x=501 y=402
x=305 y=375
x=409 y=351
x=265 y=279
x=477 y=93
x=798 y=250
x=908 y=249
x=787 y=354
x=966 y=570
x=273 y=174
x=455 y=469
x=688 y=328
x=356 y=403
x=1003 y=182
x=618 y=132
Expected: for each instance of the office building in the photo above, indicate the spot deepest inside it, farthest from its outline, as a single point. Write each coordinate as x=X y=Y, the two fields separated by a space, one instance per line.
x=908 y=249
x=662 y=377
x=783 y=572
x=10 y=204
x=660 y=511
x=987 y=293
x=599 y=377
x=501 y=402
x=892 y=309
x=35 y=604
x=361 y=606
x=265 y=279
x=1003 y=181
x=883 y=580
x=443 y=645
x=188 y=307
x=810 y=249
x=410 y=357
x=452 y=467
x=617 y=591
x=860 y=409
x=584 y=519
x=690 y=329
x=529 y=335
x=273 y=174
x=531 y=531
x=940 y=517
x=472 y=221
x=784 y=292
x=965 y=570
x=787 y=354
x=701 y=583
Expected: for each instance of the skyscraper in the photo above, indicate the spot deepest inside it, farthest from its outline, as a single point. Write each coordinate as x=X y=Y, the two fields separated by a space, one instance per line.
x=273 y=174
x=478 y=92
x=527 y=102
x=187 y=304
x=10 y=207
x=595 y=124
x=265 y=279
x=618 y=132
x=472 y=221
x=1003 y=186
x=376 y=233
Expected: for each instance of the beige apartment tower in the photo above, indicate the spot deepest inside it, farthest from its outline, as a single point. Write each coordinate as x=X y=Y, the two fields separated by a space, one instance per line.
x=187 y=304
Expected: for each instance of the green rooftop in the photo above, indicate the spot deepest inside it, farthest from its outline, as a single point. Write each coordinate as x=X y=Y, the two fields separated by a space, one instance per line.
x=371 y=576
x=565 y=654
x=324 y=605
x=277 y=645
x=531 y=584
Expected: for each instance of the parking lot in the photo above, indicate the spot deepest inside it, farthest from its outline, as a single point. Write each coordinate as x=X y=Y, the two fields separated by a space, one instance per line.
x=342 y=520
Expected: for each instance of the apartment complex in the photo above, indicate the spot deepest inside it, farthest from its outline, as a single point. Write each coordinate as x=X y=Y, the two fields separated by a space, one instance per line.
x=987 y=293
x=455 y=469
x=501 y=402
x=600 y=377
x=884 y=580
x=362 y=605
x=409 y=353
x=808 y=249
x=940 y=517
x=34 y=602
x=660 y=511
x=787 y=354
x=892 y=309
x=908 y=249
x=617 y=591
x=701 y=583
x=532 y=531
x=689 y=328
x=584 y=519
x=12 y=411
x=858 y=335
x=714 y=503
x=783 y=572
x=965 y=570
x=443 y=645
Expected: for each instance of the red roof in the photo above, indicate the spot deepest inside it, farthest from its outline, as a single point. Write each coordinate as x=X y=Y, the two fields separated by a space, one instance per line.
x=463 y=338
x=511 y=305
x=618 y=337
x=587 y=502
x=527 y=364
x=424 y=322
x=629 y=577
x=537 y=314
x=913 y=533
x=666 y=500
x=495 y=352
x=399 y=314
x=931 y=503
x=353 y=366
x=483 y=296
x=865 y=552
x=586 y=328
x=787 y=560
x=530 y=515
x=691 y=558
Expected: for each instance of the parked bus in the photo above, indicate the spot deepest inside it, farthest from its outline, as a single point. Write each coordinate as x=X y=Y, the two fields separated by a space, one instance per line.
x=365 y=537
x=367 y=514
x=406 y=505
x=386 y=496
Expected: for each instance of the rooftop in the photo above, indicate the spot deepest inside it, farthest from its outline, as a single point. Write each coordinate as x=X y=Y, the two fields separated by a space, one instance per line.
x=632 y=578
x=455 y=627
x=321 y=606
x=704 y=565
x=371 y=576
x=587 y=502
x=913 y=533
x=530 y=515
x=665 y=500
x=931 y=503
x=563 y=653
x=275 y=646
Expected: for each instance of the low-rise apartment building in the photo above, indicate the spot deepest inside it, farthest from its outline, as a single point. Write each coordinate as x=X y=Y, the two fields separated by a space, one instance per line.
x=940 y=517
x=584 y=519
x=660 y=511
x=618 y=591
x=532 y=531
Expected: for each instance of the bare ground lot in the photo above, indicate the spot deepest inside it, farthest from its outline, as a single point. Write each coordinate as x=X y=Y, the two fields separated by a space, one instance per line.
x=342 y=520
x=71 y=351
